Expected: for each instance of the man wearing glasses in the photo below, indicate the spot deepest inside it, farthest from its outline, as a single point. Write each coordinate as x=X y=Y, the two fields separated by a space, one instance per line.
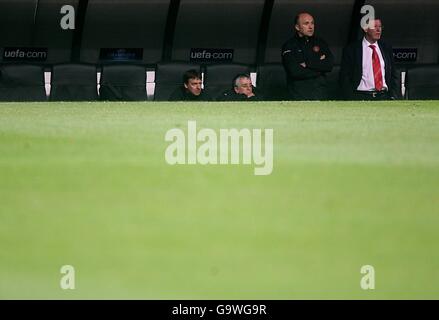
x=368 y=70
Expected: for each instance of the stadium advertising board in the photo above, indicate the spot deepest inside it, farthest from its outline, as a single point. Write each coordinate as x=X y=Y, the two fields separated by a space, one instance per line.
x=24 y=54
x=203 y=55
x=405 y=54
x=121 y=54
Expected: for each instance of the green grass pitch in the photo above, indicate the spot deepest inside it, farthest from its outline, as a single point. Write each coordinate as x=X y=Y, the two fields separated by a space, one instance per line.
x=87 y=185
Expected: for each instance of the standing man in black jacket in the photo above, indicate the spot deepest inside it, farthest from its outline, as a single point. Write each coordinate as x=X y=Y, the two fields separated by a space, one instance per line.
x=367 y=69
x=306 y=59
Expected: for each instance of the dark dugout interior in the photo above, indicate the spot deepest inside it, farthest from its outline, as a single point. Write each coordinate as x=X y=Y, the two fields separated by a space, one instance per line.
x=173 y=30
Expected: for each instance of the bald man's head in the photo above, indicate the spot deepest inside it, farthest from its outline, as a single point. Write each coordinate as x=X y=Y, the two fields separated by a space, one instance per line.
x=304 y=24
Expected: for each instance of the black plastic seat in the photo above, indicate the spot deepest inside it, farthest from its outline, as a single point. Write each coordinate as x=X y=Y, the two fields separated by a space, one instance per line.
x=74 y=82
x=422 y=83
x=22 y=83
x=271 y=82
x=123 y=83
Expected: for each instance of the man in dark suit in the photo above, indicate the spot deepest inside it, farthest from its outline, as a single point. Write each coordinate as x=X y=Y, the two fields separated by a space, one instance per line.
x=367 y=69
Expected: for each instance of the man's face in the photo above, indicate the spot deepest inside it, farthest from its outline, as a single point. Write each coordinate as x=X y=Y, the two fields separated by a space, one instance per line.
x=244 y=87
x=374 y=34
x=194 y=86
x=305 y=25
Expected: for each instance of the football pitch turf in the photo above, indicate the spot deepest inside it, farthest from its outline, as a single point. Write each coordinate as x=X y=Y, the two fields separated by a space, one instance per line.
x=87 y=185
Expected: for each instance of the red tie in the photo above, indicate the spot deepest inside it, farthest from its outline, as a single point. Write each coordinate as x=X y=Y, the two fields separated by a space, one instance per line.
x=377 y=73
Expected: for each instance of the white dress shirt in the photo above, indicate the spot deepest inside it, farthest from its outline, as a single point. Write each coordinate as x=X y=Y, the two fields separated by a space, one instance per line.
x=367 y=82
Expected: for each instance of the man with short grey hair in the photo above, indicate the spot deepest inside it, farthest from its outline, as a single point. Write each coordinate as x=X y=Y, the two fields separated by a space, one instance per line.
x=242 y=90
x=368 y=69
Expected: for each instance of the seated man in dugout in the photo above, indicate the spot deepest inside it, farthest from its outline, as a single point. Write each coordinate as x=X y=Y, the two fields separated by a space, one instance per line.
x=191 y=89
x=242 y=90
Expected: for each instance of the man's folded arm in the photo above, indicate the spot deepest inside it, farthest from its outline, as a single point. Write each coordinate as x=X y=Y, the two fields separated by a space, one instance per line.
x=294 y=69
x=322 y=65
